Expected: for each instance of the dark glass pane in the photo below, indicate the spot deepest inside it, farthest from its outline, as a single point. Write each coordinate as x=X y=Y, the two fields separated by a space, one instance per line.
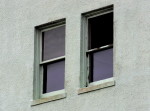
x=53 y=76
x=53 y=43
x=102 y=65
x=100 y=31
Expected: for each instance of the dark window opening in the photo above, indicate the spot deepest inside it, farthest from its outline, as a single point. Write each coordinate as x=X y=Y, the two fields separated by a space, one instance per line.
x=100 y=31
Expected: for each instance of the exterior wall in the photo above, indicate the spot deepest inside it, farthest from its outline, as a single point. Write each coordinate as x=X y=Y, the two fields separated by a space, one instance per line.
x=131 y=55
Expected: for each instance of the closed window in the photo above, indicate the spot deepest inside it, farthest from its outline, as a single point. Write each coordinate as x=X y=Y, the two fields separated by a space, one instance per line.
x=49 y=78
x=53 y=59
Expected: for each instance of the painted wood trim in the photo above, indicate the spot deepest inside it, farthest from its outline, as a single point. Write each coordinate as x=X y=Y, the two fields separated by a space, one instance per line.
x=98 y=12
x=84 y=58
x=54 y=27
x=38 y=70
x=36 y=78
x=51 y=24
x=83 y=61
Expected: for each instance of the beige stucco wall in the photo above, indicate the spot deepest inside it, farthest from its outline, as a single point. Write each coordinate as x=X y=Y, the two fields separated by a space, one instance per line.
x=131 y=55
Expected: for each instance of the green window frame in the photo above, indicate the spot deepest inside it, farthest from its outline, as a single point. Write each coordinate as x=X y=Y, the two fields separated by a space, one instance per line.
x=85 y=85
x=38 y=96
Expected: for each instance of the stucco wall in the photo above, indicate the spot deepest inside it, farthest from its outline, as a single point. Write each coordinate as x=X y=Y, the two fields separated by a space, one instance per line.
x=131 y=55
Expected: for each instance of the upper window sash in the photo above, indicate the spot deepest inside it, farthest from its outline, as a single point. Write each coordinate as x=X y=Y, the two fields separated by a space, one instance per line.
x=41 y=47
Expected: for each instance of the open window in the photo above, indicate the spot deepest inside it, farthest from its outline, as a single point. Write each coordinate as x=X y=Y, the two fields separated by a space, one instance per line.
x=100 y=47
x=97 y=49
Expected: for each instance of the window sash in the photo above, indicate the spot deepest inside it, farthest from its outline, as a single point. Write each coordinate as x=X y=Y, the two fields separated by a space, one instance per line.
x=43 y=62
x=89 y=61
x=90 y=64
x=46 y=74
x=41 y=44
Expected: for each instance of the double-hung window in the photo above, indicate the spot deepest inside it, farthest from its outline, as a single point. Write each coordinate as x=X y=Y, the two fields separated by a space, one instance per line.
x=50 y=60
x=97 y=56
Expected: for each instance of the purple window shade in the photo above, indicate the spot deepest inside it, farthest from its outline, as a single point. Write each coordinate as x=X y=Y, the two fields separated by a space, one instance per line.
x=53 y=43
x=100 y=30
x=102 y=65
x=53 y=76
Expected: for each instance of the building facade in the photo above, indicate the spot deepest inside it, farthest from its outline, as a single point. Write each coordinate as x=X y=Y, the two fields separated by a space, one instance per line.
x=24 y=25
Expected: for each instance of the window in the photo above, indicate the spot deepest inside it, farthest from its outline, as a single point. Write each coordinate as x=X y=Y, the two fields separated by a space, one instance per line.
x=97 y=37
x=50 y=61
x=100 y=46
x=53 y=52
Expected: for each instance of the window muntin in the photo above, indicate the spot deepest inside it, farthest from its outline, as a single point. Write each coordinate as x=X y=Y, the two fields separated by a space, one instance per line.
x=100 y=47
x=53 y=59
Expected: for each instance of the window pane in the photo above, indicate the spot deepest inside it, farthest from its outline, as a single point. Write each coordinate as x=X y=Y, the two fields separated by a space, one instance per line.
x=53 y=76
x=100 y=31
x=53 y=43
x=102 y=65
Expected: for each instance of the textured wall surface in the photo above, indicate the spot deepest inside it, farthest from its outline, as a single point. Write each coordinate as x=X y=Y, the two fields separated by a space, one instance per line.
x=131 y=55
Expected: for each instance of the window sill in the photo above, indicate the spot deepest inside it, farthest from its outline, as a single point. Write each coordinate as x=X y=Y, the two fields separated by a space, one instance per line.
x=97 y=85
x=49 y=97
